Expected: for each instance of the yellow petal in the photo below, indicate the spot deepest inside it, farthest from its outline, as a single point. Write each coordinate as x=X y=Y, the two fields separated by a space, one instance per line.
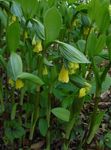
x=82 y=92
x=72 y=71
x=63 y=75
x=19 y=84
x=70 y=65
x=38 y=47
x=73 y=67
x=76 y=66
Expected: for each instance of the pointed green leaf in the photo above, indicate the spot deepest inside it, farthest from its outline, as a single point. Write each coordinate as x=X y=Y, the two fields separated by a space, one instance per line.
x=29 y=7
x=52 y=22
x=43 y=126
x=14 y=66
x=94 y=125
x=72 y=54
x=30 y=77
x=13 y=36
x=61 y=113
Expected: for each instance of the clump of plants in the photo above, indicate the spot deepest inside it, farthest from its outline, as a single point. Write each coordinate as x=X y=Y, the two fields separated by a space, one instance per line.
x=51 y=53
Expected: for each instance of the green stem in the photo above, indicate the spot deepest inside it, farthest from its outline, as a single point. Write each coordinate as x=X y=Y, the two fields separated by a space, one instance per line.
x=32 y=131
x=68 y=133
x=35 y=115
x=37 y=100
x=99 y=80
x=85 y=50
x=12 y=94
x=22 y=96
x=48 y=120
x=103 y=76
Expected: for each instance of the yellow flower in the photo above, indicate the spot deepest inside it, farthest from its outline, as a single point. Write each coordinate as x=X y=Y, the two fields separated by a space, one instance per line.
x=26 y=35
x=11 y=82
x=63 y=75
x=45 y=71
x=82 y=92
x=19 y=84
x=14 y=18
x=73 y=67
x=38 y=47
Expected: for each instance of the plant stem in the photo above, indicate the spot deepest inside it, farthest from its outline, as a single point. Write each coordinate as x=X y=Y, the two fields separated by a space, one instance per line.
x=35 y=116
x=22 y=96
x=68 y=132
x=99 y=80
x=48 y=120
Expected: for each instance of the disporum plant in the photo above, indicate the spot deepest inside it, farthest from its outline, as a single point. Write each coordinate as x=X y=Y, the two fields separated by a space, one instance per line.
x=51 y=53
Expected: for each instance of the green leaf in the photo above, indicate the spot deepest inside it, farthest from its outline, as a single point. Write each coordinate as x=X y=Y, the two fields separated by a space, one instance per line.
x=30 y=77
x=101 y=18
x=2 y=61
x=91 y=42
x=72 y=54
x=61 y=113
x=16 y=10
x=43 y=127
x=3 y=18
x=108 y=42
x=81 y=45
x=39 y=29
x=13 y=36
x=94 y=125
x=29 y=7
x=100 y=44
x=52 y=22
x=106 y=84
x=94 y=44
x=14 y=66
x=13 y=130
x=107 y=139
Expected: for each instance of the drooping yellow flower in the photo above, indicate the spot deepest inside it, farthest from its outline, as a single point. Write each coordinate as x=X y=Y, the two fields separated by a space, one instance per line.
x=63 y=75
x=38 y=47
x=14 y=18
x=73 y=67
x=19 y=84
x=82 y=92
x=11 y=82
x=45 y=71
